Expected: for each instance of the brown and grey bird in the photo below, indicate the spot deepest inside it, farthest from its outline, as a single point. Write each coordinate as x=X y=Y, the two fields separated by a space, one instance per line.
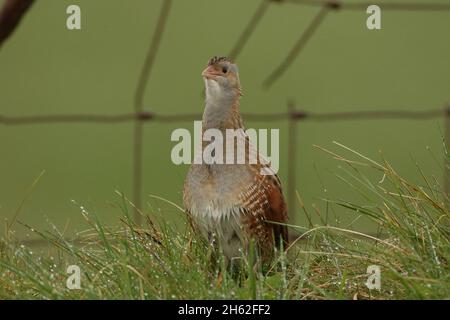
x=234 y=203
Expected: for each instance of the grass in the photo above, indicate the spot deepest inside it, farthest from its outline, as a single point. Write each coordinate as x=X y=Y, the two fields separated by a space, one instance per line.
x=159 y=261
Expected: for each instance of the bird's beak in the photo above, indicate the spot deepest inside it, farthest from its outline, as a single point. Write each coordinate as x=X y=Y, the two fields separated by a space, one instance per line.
x=210 y=73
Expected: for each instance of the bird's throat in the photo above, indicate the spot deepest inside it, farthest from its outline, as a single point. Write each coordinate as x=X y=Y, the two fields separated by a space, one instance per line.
x=222 y=108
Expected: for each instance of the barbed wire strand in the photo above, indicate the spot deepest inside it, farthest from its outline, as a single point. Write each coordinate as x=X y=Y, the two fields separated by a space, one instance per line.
x=325 y=6
x=266 y=117
x=408 y=6
x=139 y=104
x=292 y=157
x=297 y=48
x=249 y=29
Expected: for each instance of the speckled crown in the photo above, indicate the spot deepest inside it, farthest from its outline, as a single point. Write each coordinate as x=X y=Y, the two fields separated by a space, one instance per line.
x=215 y=60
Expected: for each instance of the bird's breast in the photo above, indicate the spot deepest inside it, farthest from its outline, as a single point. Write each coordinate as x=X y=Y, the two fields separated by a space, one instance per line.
x=213 y=191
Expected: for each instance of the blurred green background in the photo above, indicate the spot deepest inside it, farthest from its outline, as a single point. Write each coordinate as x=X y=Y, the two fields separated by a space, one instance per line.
x=46 y=69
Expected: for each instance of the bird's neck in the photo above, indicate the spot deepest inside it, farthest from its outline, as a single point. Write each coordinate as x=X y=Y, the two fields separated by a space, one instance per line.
x=222 y=108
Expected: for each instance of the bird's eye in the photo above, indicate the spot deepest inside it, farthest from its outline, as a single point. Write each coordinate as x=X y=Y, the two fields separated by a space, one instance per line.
x=224 y=69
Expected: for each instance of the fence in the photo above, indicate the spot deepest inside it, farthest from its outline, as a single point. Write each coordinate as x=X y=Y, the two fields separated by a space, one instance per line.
x=139 y=116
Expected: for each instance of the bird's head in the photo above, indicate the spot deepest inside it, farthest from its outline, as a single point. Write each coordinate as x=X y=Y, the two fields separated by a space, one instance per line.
x=222 y=74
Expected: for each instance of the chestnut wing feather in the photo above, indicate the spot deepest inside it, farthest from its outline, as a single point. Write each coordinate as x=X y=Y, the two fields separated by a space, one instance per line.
x=265 y=207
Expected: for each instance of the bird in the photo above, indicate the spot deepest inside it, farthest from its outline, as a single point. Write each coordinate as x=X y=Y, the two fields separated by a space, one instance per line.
x=234 y=205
